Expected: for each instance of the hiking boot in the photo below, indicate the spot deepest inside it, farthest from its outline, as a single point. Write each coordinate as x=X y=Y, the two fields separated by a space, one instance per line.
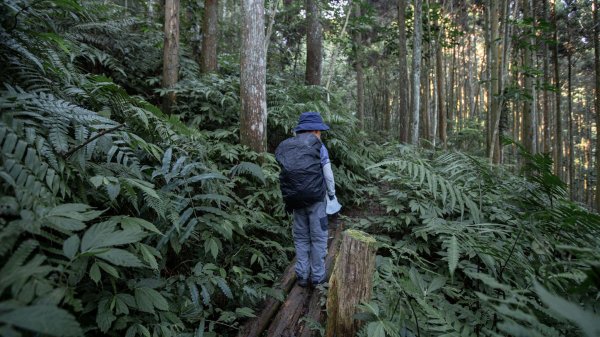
x=318 y=283
x=303 y=282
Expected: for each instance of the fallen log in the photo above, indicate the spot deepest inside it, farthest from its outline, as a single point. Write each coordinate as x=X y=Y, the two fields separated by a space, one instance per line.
x=255 y=326
x=315 y=312
x=350 y=283
x=287 y=321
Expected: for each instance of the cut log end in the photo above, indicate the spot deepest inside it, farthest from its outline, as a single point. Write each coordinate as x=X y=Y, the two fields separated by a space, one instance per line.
x=350 y=283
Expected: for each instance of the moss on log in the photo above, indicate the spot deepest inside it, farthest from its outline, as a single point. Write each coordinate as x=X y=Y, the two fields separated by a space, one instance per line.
x=350 y=283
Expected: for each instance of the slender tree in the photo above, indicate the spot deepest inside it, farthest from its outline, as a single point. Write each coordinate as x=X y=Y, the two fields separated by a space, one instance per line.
x=253 y=118
x=529 y=141
x=358 y=67
x=558 y=146
x=416 y=72
x=597 y=90
x=170 y=52
x=439 y=77
x=208 y=58
x=314 y=43
x=403 y=73
x=494 y=91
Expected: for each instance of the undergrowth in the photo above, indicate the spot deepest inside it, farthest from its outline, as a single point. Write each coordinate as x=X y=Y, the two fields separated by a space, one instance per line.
x=119 y=220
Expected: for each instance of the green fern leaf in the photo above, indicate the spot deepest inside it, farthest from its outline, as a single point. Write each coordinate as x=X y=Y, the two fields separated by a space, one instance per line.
x=249 y=168
x=453 y=254
x=44 y=319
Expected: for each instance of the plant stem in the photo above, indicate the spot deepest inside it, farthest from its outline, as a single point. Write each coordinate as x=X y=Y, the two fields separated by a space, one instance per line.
x=100 y=134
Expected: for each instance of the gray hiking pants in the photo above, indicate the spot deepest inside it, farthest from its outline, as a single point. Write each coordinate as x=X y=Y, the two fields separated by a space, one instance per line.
x=310 y=239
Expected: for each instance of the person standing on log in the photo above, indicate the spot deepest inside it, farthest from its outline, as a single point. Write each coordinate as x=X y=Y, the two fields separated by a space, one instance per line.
x=306 y=182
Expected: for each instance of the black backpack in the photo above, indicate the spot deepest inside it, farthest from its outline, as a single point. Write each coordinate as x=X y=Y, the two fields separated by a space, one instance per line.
x=301 y=178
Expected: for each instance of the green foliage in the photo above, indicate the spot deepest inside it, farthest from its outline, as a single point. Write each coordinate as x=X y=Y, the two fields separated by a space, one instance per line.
x=119 y=220
x=467 y=247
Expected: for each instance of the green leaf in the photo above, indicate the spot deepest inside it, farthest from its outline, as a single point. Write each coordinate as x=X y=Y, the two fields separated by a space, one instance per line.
x=44 y=319
x=104 y=316
x=147 y=299
x=71 y=246
x=245 y=312
x=376 y=329
x=251 y=168
x=585 y=320
x=212 y=246
x=148 y=257
x=95 y=273
x=453 y=254
x=103 y=234
x=108 y=269
x=97 y=181
x=145 y=186
x=120 y=257
x=126 y=220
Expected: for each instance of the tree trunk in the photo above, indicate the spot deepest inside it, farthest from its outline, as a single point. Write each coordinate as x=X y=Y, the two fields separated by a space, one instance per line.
x=570 y=121
x=314 y=43
x=350 y=283
x=403 y=74
x=253 y=117
x=442 y=124
x=335 y=51
x=360 y=77
x=496 y=73
x=528 y=114
x=545 y=96
x=558 y=139
x=416 y=73
x=170 y=53
x=597 y=105
x=208 y=59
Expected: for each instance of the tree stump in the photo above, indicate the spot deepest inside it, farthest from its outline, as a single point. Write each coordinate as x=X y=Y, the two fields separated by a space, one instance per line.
x=350 y=283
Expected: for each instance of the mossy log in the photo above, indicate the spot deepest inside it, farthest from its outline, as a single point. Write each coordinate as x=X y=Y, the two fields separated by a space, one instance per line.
x=350 y=283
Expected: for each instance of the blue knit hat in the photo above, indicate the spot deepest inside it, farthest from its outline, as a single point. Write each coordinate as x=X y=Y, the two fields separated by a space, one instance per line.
x=310 y=121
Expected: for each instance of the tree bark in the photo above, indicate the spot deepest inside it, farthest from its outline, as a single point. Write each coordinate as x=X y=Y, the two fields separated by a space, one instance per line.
x=442 y=124
x=360 y=77
x=528 y=109
x=350 y=283
x=558 y=147
x=170 y=52
x=494 y=95
x=208 y=58
x=253 y=117
x=570 y=121
x=416 y=72
x=545 y=96
x=597 y=105
x=314 y=43
x=403 y=74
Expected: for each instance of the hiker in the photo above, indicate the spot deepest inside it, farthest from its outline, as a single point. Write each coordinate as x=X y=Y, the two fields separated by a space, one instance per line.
x=306 y=182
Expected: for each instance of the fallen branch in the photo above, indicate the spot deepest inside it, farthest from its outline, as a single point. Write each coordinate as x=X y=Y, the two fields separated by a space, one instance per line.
x=100 y=134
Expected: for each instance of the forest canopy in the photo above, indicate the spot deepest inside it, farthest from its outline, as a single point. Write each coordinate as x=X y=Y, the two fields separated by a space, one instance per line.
x=140 y=194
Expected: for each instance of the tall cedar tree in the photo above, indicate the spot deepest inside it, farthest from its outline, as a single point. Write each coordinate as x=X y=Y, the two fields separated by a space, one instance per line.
x=403 y=74
x=597 y=64
x=208 y=58
x=314 y=43
x=253 y=117
x=416 y=72
x=170 y=52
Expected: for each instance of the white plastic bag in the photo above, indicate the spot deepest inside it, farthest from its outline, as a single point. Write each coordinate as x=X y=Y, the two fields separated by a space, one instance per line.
x=333 y=206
